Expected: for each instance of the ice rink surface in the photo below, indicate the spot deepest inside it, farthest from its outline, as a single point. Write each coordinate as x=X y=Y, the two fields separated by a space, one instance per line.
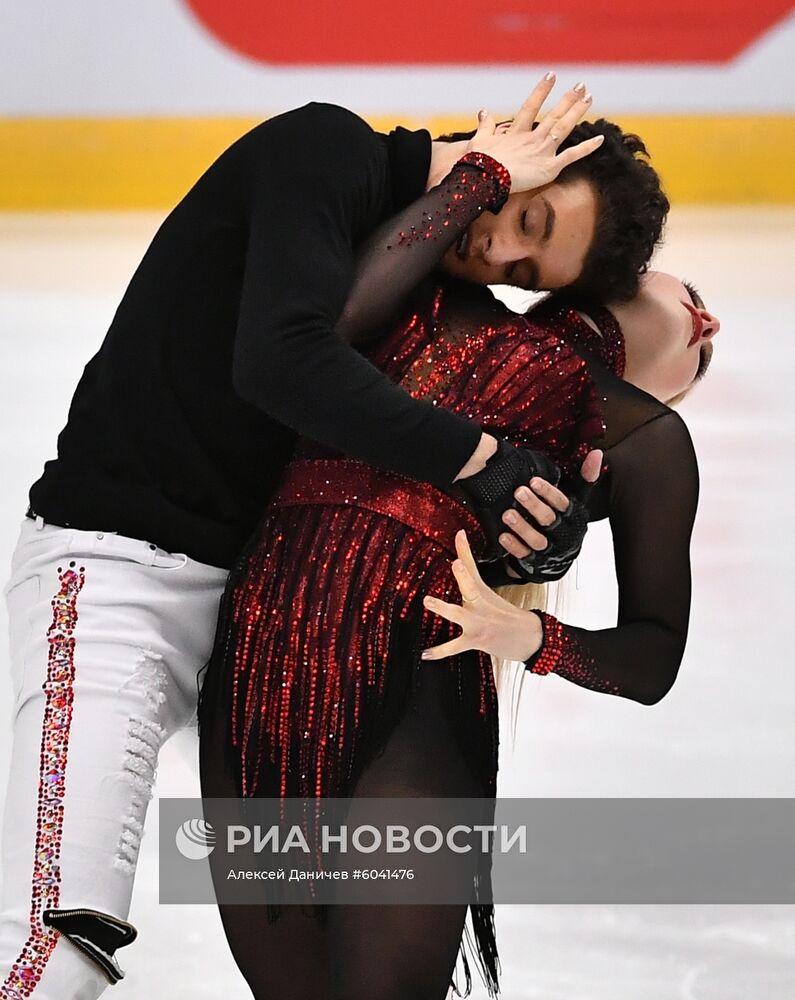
x=726 y=729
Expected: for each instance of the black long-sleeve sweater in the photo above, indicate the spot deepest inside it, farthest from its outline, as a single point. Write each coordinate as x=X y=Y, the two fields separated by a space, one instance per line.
x=224 y=346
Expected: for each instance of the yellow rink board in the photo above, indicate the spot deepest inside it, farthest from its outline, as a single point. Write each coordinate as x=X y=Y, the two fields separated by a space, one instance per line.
x=129 y=163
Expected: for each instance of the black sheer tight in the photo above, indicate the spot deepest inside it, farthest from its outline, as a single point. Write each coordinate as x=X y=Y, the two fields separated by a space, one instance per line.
x=360 y=952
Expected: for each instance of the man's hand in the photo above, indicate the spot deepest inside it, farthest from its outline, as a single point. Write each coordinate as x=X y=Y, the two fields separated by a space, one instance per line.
x=562 y=522
x=544 y=503
x=490 y=492
x=543 y=551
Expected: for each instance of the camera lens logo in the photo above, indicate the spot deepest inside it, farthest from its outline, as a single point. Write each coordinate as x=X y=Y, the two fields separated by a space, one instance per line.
x=195 y=839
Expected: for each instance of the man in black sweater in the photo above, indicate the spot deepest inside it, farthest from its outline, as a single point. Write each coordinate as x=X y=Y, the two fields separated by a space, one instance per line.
x=222 y=351
x=224 y=345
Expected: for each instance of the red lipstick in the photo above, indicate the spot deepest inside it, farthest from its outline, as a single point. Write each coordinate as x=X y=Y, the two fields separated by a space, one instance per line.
x=698 y=325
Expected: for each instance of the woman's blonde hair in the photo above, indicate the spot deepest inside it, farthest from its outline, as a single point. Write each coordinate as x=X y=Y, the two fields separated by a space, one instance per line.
x=509 y=674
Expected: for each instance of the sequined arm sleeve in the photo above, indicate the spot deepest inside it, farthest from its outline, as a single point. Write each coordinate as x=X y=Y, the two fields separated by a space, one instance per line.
x=309 y=191
x=653 y=499
x=402 y=251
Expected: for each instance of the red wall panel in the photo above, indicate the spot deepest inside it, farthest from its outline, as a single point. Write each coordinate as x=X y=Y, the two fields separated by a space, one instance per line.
x=438 y=32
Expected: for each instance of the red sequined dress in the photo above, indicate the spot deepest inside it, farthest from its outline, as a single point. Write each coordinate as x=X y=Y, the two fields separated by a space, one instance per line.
x=317 y=654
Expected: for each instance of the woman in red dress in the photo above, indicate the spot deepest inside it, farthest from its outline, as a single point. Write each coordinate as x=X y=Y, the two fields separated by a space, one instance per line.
x=317 y=688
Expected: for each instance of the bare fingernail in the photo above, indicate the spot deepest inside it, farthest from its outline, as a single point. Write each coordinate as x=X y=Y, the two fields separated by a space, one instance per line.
x=510 y=516
x=588 y=98
x=482 y=114
x=425 y=655
x=549 y=76
x=579 y=87
x=522 y=493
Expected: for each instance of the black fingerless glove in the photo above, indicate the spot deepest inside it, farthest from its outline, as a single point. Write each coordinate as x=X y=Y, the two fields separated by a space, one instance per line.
x=494 y=574
x=489 y=493
x=564 y=536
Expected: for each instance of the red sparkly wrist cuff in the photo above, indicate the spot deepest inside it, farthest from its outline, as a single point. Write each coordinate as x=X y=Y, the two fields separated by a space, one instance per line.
x=552 y=641
x=494 y=170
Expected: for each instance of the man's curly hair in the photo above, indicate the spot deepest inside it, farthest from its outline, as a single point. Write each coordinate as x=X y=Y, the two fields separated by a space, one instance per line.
x=630 y=215
x=631 y=210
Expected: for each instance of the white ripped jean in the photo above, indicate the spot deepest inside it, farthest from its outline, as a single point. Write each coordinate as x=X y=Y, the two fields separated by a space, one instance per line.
x=107 y=636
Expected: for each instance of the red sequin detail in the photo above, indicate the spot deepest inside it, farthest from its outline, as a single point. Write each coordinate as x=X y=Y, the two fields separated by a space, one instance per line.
x=308 y=651
x=419 y=506
x=493 y=168
x=58 y=688
x=551 y=647
x=490 y=182
x=608 y=344
x=562 y=653
x=309 y=675
x=518 y=379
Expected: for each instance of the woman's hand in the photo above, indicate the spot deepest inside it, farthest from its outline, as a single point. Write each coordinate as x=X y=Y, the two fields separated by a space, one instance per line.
x=489 y=623
x=530 y=154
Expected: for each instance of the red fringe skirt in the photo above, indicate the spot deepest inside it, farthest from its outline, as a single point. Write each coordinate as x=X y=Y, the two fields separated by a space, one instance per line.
x=320 y=634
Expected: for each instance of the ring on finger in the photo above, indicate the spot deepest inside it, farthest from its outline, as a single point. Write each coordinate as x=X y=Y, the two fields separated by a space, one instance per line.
x=471 y=600
x=554 y=137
